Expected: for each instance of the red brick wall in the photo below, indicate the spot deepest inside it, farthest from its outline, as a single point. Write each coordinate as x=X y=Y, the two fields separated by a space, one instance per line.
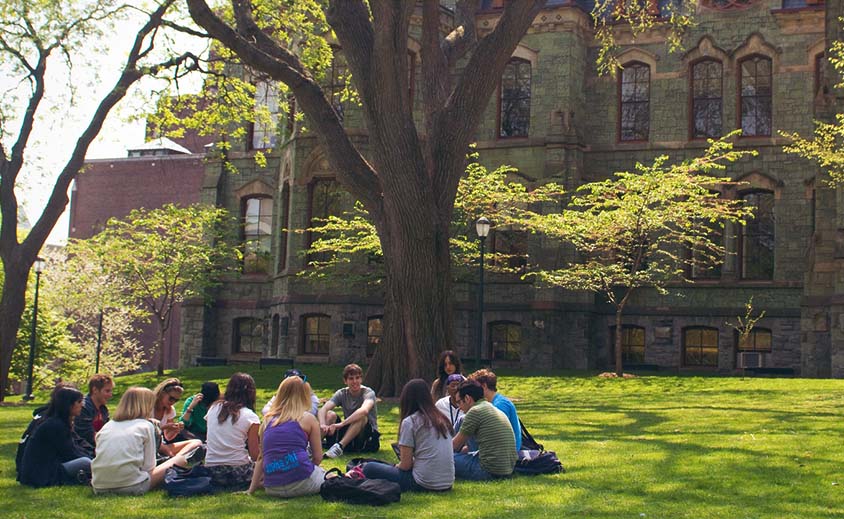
x=113 y=187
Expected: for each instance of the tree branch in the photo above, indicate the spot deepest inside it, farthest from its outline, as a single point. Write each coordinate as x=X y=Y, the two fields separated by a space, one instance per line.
x=464 y=36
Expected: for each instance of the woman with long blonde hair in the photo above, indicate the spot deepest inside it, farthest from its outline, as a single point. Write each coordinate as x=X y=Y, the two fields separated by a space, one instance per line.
x=284 y=468
x=126 y=448
x=167 y=393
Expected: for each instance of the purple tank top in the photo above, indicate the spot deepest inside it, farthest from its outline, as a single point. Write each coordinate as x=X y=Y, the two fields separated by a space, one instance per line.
x=286 y=458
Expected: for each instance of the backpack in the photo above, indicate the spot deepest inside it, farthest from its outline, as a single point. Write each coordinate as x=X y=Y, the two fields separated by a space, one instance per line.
x=534 y=462
x=37 y=419
x=181 y=482
x=528 y=443
x=376 y=492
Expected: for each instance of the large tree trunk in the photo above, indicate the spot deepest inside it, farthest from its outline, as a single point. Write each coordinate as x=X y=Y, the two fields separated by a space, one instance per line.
x=12 y=305
x=418 y=305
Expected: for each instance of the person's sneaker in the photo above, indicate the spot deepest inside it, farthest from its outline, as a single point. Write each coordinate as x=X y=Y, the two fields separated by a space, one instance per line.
x=335 y=451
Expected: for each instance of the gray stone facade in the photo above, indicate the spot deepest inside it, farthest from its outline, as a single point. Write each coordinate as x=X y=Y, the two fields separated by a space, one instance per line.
x=574 y=138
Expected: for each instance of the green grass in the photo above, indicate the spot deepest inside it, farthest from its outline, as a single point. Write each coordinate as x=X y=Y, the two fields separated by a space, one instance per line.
x=652 y=447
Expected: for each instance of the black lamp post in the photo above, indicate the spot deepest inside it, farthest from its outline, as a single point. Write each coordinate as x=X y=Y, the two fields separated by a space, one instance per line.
x=39 y=265
x=99 y=341
x=482 y=228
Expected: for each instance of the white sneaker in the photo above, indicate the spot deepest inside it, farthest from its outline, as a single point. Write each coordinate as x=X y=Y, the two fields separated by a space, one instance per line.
x=335 y=451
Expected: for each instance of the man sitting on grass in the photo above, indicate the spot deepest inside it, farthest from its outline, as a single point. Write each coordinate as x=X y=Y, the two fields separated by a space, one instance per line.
x=358 y=431
x=496 y=454
x=489 y=382
x=94 y=411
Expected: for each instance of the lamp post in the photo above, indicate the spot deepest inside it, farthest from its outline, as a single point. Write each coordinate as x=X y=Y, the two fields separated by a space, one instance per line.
x=39 y=265
x=482 y=228
x=99 y=341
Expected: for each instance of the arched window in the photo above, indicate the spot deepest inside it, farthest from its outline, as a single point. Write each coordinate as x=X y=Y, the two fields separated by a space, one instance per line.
x=756 y=246
x=257 y=234
x=248 y=335
x=820 y=75
x=515 y=99
x=759 y=339
x=505 y=340
x=706 y=99
x=756 y=91
x=634 y=100
x=728 y=5
x=316 y=334
x=374 y=331
x=326 y=199
x=700 y=347
x=512 y=246
x=632 y=344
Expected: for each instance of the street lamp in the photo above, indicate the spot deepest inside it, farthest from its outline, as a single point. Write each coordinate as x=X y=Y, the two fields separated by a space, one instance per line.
x=39 y=266
x=482 y=228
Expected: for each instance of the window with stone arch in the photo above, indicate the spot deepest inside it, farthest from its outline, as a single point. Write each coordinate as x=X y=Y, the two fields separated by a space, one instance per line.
x=514 y=113
x=758 y=237
x=335 y=82
x=700 y=347
x=505 y=338
x=632 y=344
x=634 y=87
x=756 y=91
x=257 y=234
x=316 y=334
x=326 y=198
x=284 y=225
x=707 y=99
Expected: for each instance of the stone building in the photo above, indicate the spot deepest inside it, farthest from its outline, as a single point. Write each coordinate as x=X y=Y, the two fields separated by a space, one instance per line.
x=751 y=64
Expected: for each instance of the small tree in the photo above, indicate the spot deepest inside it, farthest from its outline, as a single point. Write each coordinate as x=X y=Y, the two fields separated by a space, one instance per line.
x=97 y=309
x=636 y=230
x=164 y=256
x=744 y=325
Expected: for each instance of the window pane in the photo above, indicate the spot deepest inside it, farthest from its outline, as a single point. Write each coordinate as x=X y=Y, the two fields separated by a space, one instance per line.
x=758 y=237
x=257 y=235
x=515 y=99
x=700 y=347
x=756 y=89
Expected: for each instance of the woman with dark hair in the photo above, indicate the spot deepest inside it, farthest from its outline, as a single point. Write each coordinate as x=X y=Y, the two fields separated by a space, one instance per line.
x=449 y=364
x=196 y=407
x=232 y=444
x=50 y=457
x=427 y=460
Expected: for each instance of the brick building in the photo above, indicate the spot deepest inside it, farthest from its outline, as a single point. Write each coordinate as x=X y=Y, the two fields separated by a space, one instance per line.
x=155 y=173
x=751 y=64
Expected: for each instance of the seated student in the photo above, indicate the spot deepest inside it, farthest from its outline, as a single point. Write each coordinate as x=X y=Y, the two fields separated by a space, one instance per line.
x=196 y=407
x=126 y=448
x=50 y=457
x=496 y=455
x=94 y=411
x=449 y=364
x=233 y=435
x=427 y=461
x=358 y=431
x=448 y=405
x=288 y=431
x=489 y=382
x=167 y=393
x=295 y=373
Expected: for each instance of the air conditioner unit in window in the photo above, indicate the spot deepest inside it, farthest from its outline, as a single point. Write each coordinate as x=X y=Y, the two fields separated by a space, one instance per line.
x=750 y=359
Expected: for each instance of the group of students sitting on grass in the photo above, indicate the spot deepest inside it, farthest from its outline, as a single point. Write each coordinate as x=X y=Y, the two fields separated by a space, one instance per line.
x=458 y=428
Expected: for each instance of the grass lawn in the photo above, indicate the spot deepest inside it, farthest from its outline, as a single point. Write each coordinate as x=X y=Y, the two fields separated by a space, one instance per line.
x=652 y=447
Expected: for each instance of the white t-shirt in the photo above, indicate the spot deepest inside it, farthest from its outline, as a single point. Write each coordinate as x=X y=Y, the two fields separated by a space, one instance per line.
x=452 y=413
x=226 y=442
x=125 y=454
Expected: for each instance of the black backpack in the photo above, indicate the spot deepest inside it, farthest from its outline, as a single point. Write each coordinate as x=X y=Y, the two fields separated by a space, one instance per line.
x=182 y=482
x=37 y=419
x=534 y=462
x=376 y=492
x=528 y=443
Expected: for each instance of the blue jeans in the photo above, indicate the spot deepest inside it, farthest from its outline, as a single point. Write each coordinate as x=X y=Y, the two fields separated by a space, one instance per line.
x=72 y=468
x=404 y=478
x=468 y=466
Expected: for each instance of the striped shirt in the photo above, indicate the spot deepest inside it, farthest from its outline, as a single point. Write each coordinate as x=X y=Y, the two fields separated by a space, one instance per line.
x=496 y=441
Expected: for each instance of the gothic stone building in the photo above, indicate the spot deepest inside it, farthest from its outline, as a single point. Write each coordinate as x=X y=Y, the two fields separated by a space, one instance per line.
x=756 y=65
